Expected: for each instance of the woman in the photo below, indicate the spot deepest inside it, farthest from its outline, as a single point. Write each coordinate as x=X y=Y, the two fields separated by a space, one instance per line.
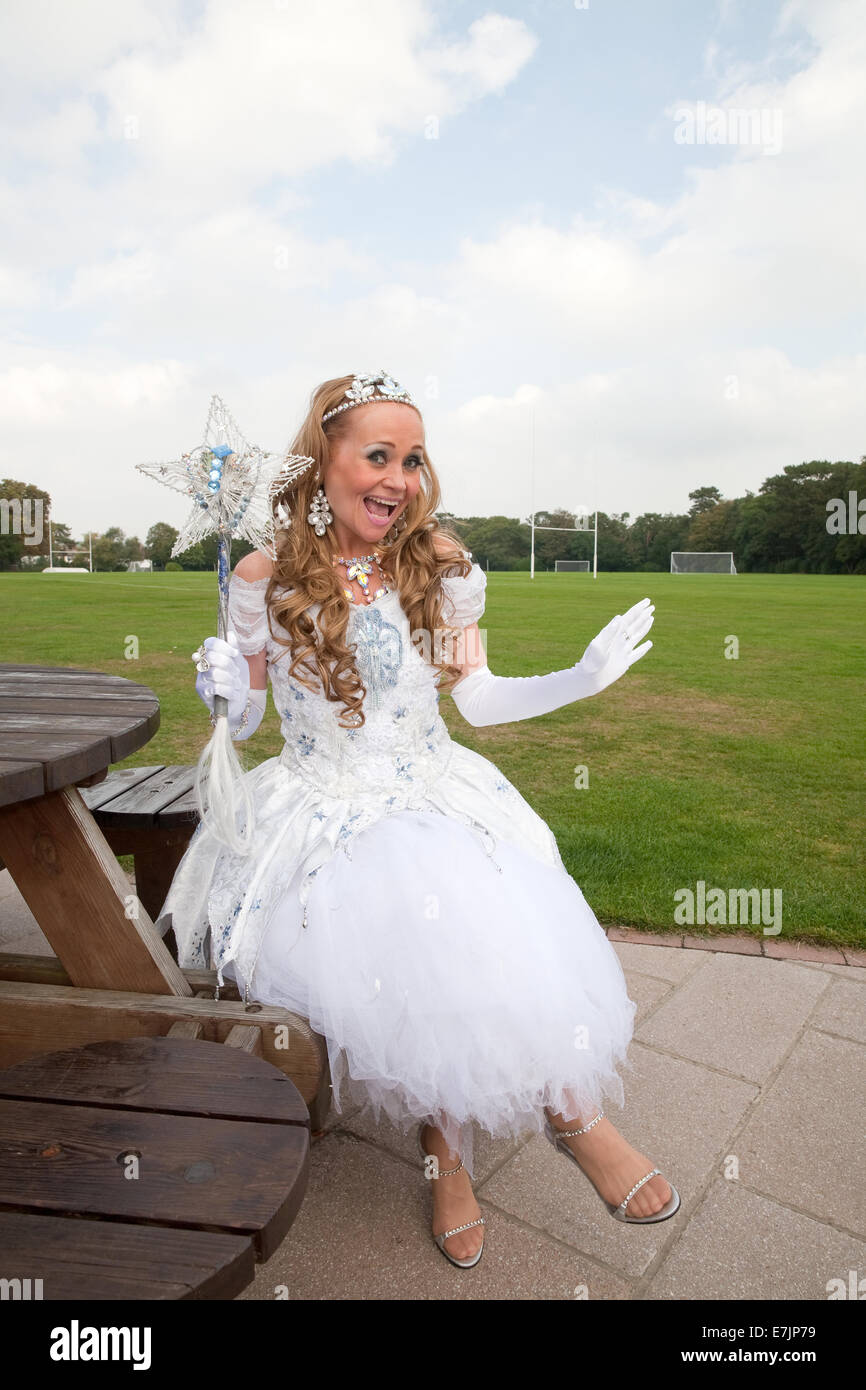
x=401 y=894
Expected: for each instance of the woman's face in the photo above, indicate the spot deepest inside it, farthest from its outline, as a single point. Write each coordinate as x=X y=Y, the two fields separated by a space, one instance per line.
x=380 y=457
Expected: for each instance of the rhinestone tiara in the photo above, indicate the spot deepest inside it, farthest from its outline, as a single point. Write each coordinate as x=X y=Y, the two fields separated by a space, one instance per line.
x=371 y=386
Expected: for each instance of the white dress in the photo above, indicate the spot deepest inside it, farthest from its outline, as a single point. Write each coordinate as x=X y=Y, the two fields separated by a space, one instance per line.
x=449 y=959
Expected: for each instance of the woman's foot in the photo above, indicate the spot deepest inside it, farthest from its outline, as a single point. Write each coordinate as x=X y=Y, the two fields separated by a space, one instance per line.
x=453 y=1201
x=613 y=1166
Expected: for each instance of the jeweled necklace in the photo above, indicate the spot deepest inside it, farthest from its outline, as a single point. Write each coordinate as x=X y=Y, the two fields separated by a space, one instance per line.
x=360 y=567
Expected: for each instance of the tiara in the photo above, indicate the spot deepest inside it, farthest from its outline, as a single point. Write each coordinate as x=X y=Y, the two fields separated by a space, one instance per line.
x=371 y=386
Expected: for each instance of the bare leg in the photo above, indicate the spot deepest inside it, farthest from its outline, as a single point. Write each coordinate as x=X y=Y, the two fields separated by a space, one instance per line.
x=614 y=1167
x=453 y=1200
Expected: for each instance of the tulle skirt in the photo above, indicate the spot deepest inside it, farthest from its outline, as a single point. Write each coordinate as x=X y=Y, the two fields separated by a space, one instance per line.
x=449 y=989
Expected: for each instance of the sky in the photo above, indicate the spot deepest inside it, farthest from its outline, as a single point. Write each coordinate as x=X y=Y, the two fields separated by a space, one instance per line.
x=613 y=249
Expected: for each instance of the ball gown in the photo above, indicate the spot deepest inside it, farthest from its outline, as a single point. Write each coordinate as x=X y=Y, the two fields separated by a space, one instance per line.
x=405 y=898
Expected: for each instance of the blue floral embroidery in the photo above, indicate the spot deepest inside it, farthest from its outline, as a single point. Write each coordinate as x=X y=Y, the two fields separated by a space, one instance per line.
x=399 y=712
x=286 y=713
x=402 y=766
x=378 y=653
x=306 y=744
x=319 y=815
x=344 y=831
x=503 y=787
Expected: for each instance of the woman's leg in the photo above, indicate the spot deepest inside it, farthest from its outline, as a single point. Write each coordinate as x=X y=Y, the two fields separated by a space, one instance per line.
x=612 y=1165
x=453 y=1199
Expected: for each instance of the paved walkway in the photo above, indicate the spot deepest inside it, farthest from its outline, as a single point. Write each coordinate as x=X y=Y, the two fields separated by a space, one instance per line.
x=747 y=1090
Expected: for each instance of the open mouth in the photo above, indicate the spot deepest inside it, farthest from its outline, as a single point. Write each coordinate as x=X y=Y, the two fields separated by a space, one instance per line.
x=379 y=510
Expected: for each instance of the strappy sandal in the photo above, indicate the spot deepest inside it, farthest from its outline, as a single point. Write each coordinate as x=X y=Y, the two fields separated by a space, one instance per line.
x=479 y=1221
x=618 y=1213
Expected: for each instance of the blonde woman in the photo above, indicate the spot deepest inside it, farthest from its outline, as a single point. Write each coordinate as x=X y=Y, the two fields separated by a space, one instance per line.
x=401 y=894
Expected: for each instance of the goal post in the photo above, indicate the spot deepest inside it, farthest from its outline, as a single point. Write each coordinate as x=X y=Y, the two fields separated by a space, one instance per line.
x=562 y=566
x=702 y=562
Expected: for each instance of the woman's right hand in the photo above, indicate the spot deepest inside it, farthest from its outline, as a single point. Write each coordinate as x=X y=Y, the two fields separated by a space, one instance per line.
x=229 y=676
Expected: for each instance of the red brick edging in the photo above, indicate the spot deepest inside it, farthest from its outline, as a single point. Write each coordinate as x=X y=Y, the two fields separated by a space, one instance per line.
x=743 y=946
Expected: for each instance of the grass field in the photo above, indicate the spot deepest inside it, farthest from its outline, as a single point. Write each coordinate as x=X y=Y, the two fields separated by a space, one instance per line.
x=740 y=773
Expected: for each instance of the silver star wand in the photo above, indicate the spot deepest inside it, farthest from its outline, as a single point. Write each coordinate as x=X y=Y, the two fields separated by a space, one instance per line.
x=234 y=485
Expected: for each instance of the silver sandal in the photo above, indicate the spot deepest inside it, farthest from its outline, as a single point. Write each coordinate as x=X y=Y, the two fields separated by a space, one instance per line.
x=441 y=1239
x=618 y=1213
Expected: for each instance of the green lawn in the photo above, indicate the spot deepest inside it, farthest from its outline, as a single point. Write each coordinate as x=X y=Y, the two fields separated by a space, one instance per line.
x=745 y=773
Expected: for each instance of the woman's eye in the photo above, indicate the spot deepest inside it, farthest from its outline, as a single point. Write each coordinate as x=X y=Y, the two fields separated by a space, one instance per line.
x=380 y=453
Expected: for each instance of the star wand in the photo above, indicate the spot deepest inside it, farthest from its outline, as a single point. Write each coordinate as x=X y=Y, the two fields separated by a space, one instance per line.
x=234 y=485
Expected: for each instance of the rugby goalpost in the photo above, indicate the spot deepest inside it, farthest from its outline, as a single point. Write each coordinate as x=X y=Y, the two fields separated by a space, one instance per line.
x=581 y=516
x=702 y=562
x=51 y=568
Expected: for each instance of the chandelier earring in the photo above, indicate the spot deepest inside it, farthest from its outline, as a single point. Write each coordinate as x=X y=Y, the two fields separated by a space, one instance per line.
x=399 y=525
x=320 y=512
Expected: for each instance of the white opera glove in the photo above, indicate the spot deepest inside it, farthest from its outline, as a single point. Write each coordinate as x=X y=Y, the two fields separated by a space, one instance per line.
x=483 y=698
x=229 y=676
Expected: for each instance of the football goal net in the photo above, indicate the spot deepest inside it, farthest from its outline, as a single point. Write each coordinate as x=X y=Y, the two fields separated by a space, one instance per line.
x=564 y=565
x=702 y=562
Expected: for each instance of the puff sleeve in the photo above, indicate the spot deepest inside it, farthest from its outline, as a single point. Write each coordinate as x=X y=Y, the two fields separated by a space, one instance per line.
x=248 y=615
x=463 y=597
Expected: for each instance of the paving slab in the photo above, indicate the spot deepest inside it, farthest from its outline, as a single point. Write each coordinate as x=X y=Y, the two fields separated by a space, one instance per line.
x=664 y=962
x=647 y=991
x=842 y=1009
x=803 y=1144
x=681 y=1116
x=738 y=1013
x=364 y=1232
x=740 y=1244
x=734 y=1055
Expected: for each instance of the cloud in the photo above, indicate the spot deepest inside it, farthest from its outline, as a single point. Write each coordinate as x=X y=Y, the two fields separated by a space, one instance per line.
x=662 y=342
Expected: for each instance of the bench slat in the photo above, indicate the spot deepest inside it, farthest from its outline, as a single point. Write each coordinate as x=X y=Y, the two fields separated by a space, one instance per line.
x=87 y=1260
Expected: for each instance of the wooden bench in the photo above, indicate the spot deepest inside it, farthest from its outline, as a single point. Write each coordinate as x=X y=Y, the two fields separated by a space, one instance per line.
x=223 y=1144
x=150 y=813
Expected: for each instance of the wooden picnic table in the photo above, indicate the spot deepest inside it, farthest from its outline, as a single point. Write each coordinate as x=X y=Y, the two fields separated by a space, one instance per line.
x=156 y=1168
x=61 y=727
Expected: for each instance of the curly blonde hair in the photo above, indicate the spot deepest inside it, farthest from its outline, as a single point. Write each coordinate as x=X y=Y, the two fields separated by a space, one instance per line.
x=415 y=561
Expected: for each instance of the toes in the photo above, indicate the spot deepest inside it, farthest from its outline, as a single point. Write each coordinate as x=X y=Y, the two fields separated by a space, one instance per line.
x=651 y=1198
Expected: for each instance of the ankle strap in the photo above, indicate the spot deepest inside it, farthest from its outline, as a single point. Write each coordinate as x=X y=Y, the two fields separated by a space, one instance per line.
x=568 y=1133
x=448 y=1172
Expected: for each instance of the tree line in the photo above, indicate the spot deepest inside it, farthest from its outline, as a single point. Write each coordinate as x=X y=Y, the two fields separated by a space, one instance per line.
x=808 y=519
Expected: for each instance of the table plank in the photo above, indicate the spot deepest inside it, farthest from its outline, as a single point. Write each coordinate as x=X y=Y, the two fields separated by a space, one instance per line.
x=63 y=756
x=237 y=1176
x=125 y=733
x=13 y=669
x=111 y=1260
x=20 y=779
x=168 y=1075
x=64 y=704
